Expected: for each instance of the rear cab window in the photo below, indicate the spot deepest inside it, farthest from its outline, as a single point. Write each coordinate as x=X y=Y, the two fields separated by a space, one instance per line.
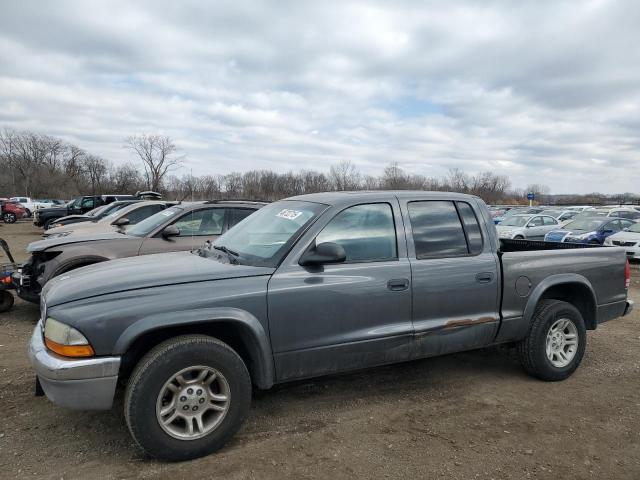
x=444 y=228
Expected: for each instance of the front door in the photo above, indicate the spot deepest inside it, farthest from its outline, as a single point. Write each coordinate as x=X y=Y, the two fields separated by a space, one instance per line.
x=454 y=278
x=344 y=316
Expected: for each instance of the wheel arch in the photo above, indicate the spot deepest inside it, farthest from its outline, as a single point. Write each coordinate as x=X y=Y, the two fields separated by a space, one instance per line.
x=237 y=328
x=571 y=288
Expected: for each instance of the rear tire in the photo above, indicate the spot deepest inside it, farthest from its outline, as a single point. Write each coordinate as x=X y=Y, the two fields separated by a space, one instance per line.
x=555 y=344
x=9 y=217
x=27 y=212
x=6 y=301
x=518 y=237
x=48 y=223
x=166 y=384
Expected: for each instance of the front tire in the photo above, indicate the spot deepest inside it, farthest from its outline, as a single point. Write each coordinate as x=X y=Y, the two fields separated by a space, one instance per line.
x=555 y=344
x=187 y=397
x=9 y=217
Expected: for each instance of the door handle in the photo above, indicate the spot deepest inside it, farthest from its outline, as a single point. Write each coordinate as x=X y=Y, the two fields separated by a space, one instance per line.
x=398 y=284
x=484 y=277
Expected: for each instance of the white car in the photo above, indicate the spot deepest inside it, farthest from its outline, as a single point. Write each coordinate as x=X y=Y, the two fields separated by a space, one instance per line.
x=31 y=204
x=532 y=227
x=563 y=216
x=629 y=239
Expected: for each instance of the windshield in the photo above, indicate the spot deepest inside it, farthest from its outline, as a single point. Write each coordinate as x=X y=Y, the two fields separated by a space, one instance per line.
x=635 y=228
x=112 y=211
x=149 y=224
x=97 y=211
x=263 y=238
x=586 y=224
x=515 y=222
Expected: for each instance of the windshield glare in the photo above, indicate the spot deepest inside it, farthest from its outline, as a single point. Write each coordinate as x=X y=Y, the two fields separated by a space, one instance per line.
x=635 y=228
x=149 y=224
x=515 y=222
x=264 y=237
x=584 y=224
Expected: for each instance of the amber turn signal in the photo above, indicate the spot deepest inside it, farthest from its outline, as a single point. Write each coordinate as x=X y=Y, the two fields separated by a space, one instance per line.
x=69 y=350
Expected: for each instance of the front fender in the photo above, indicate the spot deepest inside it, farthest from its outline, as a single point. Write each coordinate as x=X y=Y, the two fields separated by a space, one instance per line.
x=257 y=338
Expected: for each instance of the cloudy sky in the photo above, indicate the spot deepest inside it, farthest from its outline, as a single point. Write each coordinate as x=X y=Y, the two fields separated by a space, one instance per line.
x=545 y=92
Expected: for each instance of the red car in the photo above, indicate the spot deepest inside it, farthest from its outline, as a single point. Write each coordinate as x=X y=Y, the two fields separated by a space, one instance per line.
x=11 y=211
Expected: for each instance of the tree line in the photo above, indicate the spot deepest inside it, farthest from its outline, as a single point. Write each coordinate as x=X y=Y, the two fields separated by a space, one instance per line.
x=43 y=166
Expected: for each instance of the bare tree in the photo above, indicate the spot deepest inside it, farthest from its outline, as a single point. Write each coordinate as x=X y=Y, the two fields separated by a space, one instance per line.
x=344 y=176
x=96 y=169
x=158 y=156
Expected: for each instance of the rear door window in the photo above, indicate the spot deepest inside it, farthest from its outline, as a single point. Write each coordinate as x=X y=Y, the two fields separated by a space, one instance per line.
x=437 y=229
x=236 y=215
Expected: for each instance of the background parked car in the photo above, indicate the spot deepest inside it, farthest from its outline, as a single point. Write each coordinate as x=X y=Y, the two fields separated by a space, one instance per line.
x=117 y=219
x=181 y=227
x=45 y=217
x=563 y=216
x=592 y=230
x=32 y=204
x=93 y=215
x=531 y=227
x=629 y=238
x=617 y=212
x=11 y=211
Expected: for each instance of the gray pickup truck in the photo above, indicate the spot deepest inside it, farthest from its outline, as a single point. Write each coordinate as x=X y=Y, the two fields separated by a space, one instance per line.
x=308 y=286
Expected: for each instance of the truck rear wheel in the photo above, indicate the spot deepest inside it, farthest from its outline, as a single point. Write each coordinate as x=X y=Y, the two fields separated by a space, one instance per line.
x=187 y=397
x=555 y=344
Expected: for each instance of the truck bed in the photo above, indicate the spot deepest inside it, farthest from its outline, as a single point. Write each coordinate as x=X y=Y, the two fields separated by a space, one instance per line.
x=509 y=245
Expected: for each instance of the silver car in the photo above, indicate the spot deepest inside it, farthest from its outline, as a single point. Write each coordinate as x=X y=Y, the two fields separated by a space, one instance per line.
x=532 y=227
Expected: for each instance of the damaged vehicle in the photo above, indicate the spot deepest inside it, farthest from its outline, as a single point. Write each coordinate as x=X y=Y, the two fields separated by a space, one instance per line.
x=185 y=226
x=308 y=286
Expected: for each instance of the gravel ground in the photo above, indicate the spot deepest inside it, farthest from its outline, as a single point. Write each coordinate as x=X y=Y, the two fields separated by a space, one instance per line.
x=465 y=416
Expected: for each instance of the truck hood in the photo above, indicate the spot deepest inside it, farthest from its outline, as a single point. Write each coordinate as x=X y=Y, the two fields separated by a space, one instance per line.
x=55 y=210
x=142 y=272
x=47 y=243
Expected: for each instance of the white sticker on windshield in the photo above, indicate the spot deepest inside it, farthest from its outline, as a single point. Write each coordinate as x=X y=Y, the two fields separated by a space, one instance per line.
x=167 y=213
x=289 y=214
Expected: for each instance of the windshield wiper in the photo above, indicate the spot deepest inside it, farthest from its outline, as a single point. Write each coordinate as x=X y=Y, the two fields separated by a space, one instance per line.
x=233 y=256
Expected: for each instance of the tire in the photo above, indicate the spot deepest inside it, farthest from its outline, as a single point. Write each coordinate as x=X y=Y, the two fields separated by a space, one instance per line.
x=9 y=217
x=6 y=301
x=47 y=224
x=518 y=237
x=158 y=368
x=532 y=351
x=27 y=212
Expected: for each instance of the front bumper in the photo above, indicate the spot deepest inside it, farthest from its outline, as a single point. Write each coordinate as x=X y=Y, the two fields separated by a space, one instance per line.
x=80 y=384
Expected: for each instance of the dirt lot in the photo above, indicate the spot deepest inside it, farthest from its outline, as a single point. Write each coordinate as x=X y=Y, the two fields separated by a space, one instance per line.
x=466 y=416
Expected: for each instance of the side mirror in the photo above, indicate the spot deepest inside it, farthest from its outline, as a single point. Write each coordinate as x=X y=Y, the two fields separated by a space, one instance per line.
x=121 y=222
x=324 y=253
x=170 y=231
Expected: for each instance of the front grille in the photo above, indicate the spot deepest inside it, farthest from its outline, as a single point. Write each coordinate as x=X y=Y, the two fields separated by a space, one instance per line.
x=622 y=243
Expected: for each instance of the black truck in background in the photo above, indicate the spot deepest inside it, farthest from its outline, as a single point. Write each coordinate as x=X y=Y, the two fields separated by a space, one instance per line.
x=45 y=217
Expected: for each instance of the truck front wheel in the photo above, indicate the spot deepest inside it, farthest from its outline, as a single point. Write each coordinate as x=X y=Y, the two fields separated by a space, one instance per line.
x=555 y=344
x=187 y=397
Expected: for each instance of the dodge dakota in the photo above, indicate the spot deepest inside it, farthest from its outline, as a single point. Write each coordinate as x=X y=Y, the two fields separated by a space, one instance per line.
x=308 y=286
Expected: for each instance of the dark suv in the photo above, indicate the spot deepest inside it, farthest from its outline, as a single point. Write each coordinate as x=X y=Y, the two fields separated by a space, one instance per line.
x=45 y=217
x=185 y=226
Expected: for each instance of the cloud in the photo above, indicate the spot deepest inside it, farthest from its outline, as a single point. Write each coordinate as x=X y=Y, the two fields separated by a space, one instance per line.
x=545 y=92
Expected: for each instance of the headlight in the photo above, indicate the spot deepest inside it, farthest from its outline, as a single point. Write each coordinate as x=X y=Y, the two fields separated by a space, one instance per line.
x=65 y=340
x=585 y=235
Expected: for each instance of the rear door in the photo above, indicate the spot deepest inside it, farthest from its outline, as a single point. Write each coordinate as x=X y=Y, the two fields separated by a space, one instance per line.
x=196 y=227
x=236 y=215
x=455 y=278
x=535 y=228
